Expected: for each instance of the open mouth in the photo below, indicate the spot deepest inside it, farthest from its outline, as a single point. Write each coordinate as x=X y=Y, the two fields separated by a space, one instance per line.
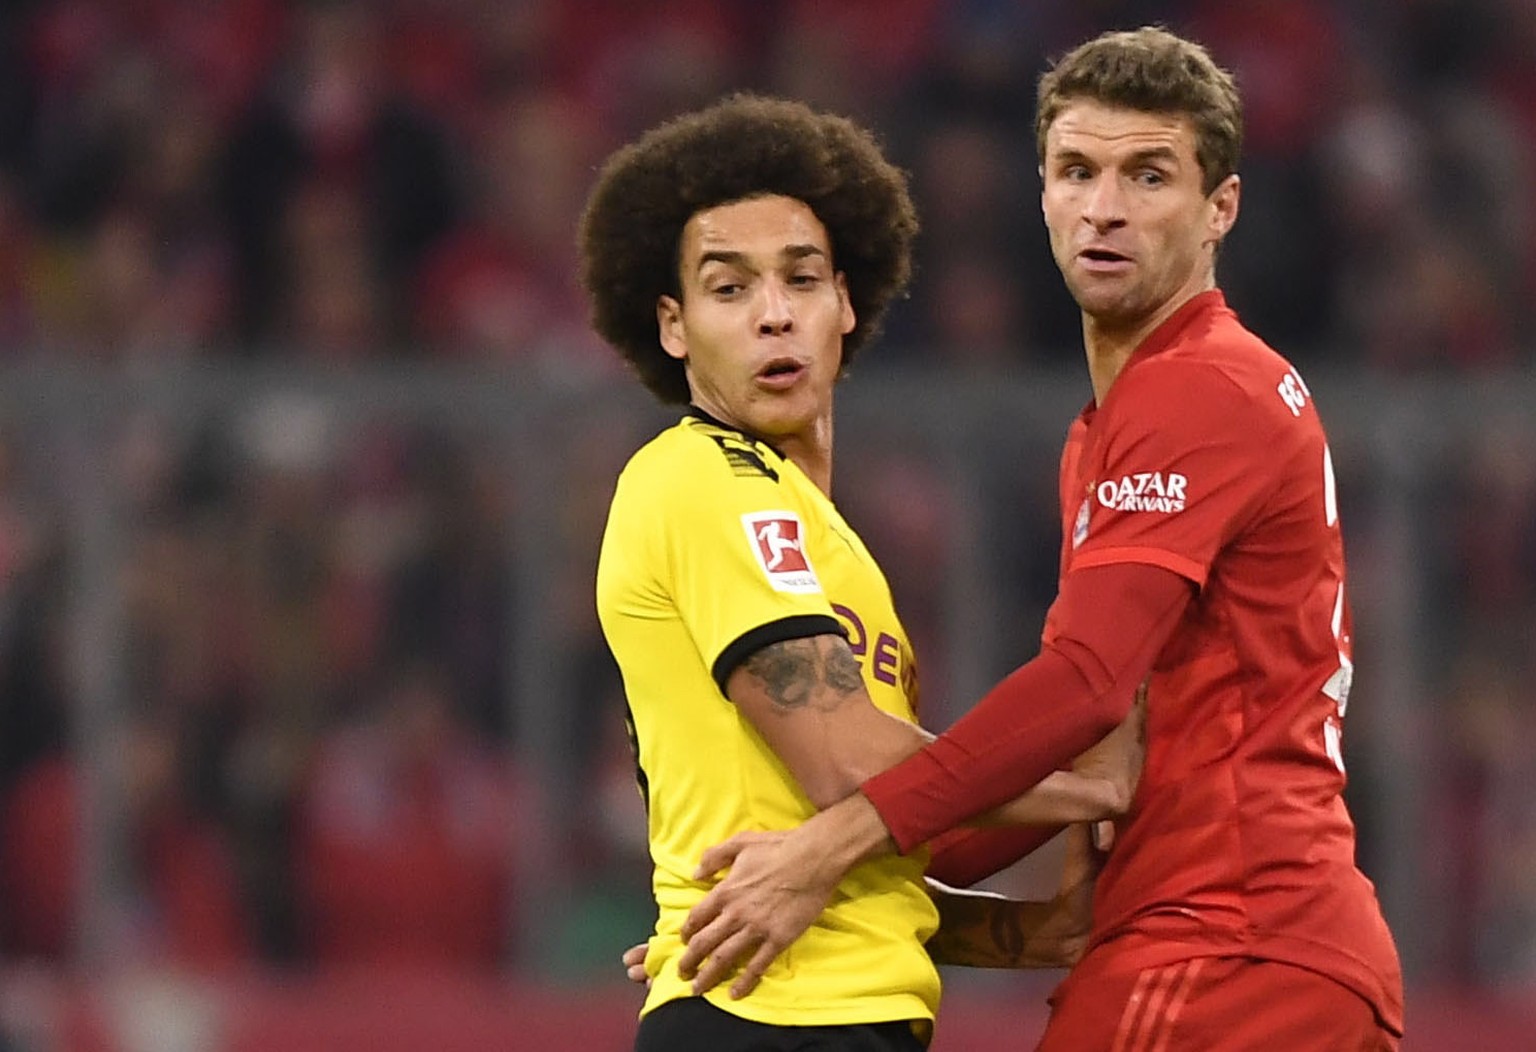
x=780 y=370
x=1103 y=255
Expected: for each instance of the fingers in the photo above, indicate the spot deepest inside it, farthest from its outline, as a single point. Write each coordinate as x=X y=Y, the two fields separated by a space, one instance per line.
x=703 y=933
x=1104 y=835
x=702 y=915
x=747 y=981
x=634 y=964
x=720 y=964
x=723 y=854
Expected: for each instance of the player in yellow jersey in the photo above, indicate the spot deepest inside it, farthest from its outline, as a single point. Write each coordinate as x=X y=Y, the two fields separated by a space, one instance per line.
x=738 y=257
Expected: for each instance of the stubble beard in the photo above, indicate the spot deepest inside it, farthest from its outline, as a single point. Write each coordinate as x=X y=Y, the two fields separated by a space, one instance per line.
x=1108 y=308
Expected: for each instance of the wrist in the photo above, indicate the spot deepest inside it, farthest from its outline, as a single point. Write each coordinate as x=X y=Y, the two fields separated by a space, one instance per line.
x=846 y=834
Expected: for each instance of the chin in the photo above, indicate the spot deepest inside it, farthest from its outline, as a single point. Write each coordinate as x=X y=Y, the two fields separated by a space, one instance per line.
x=784 y=419
x=1107 y=309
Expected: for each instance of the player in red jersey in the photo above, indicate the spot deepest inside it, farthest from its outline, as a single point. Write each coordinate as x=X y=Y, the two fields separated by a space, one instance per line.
x=1202 y=553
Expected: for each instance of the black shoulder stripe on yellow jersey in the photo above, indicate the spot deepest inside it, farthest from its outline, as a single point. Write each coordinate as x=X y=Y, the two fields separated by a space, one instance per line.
x=744 y=457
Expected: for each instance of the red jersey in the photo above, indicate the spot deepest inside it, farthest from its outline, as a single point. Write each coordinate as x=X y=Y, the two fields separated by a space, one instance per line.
x=1207 y=458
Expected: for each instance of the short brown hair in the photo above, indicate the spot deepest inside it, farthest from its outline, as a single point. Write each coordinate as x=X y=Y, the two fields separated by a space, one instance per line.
x=1152 y=70
x=742 y=147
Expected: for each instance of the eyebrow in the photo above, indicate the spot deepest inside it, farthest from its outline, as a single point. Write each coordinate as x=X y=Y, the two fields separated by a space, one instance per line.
x=1155 y=153
x=789 y=254
x=1152 y=153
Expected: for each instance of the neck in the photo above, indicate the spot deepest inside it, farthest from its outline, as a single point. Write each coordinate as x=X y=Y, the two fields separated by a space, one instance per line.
x=811 y=451
x=809 y=447
x=1110 y=343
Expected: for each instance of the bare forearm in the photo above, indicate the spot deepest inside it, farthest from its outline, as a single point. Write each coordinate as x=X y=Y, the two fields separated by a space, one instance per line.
x=875 y=743
x=808 y=700
x=840 y=837
x=982 y=930
x=1063 y=797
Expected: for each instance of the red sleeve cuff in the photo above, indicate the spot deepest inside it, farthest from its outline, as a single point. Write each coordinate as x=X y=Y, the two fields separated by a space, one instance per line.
x=961 y=857
x=1038 y=718
x=1112 y=621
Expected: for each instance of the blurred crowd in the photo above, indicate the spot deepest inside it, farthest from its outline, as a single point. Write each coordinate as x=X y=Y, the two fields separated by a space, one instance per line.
x=345 y=180
x=316 y=761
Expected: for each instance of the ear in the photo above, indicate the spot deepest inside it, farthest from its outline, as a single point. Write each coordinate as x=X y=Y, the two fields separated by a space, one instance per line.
x=669 y=324
x=847 y=317
x=1223 y=207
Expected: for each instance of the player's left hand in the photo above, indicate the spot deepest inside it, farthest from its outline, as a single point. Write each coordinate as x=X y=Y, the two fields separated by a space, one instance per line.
x=771 y=895
x=1118 y=760
x=634 y=964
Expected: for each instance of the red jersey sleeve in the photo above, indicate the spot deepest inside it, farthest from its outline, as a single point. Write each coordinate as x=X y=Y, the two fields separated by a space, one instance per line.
x=1175 y=463
x=1113 y=621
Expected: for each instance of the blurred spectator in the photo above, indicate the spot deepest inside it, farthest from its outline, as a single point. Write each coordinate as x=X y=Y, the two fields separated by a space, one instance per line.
x=405 y=832
x=347 y=179
x=183 y=905
x=334 y=303
x=330 y=119
x=448 y=596
x=849 y=57
x=18 y=270
x=502 y=284
x=1484 y=821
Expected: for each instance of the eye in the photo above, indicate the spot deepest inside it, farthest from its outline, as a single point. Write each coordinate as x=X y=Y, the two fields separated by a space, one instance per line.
x=1151 y=177
x=1076 y=173
x=725 y=289
x=804 y=279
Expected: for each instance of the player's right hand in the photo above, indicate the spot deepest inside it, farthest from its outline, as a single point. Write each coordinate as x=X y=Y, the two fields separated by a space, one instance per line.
x=770 y=896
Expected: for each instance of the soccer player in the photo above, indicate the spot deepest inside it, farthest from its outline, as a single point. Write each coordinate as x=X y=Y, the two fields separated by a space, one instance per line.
x=738 y=257
x=1200 y=547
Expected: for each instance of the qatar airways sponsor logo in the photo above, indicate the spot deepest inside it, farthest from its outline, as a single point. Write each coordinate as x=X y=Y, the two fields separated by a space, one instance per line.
x=1159 y=491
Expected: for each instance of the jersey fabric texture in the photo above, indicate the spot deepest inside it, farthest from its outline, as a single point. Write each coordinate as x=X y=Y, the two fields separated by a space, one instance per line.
x=1215 y=1004
x=716 y=545
x=1207 y=458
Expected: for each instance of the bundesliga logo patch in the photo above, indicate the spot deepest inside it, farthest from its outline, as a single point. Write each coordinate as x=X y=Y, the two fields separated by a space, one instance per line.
x=776 y=539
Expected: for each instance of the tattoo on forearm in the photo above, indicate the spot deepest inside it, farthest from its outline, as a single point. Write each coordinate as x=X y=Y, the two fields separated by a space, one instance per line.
x=791 y=671
x=1006 y=935
x=785 y=670
x=982 y=933
x=842 y=669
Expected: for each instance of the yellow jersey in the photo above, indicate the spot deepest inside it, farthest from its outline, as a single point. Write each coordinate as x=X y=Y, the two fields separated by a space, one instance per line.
x=716 y=545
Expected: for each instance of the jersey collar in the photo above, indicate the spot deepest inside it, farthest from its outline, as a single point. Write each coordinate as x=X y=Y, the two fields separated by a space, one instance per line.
x=700 y=414
x=1171 y=331
x=1174 y=326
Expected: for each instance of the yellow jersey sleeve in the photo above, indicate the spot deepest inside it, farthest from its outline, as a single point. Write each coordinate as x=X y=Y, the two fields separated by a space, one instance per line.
x=711 y=534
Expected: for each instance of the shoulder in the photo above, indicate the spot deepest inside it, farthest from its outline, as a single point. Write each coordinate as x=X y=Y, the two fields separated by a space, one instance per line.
x=696 y=447
x=694 y=464
x=1221 y=374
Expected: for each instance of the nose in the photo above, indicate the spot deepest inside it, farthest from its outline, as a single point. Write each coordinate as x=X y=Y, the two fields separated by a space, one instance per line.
x=775 y=317
x=1103 y=203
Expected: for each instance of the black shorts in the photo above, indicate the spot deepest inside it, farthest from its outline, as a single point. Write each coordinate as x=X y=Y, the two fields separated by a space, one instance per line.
x=692 y=1024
